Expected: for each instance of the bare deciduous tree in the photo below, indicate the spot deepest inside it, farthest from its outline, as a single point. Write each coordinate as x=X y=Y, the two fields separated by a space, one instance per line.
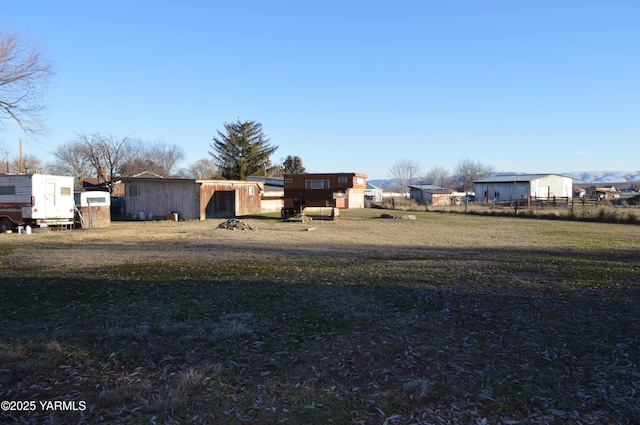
x=165 y=156
x=204 y=169
x=71 y=160
x=135 y=162
x=438 y=176
x=404 y=172
x=30 y=164
x=97 y=153
x=467 y=171
x=24 y=77
x=104 y=153
x=157 y=158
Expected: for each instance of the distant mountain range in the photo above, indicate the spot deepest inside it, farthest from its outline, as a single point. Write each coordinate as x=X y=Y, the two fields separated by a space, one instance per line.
x=577 y=176
x=604 y=176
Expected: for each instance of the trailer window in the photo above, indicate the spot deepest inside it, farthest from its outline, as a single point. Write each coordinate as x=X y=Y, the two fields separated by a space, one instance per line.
x=99 y=200
x=317 y=184
x=65 y=191
x=7 y=190
x=133 y=190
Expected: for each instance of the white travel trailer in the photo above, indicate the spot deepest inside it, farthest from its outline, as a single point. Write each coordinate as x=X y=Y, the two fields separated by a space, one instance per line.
x=37 y=200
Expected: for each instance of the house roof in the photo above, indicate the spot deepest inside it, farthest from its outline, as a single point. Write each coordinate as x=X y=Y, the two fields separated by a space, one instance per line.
x=268 y=181
x=324 y=174
x=182 y=180
x=430 y=188
x=92 y=181
x=605 y=189
x=425 y=187
x=148 y=174
x=154 y=179
x=510 y=178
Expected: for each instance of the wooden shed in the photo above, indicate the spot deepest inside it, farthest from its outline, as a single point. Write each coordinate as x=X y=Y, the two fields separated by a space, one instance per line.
x=93 y=209
x=190 y=199
x=430 y=194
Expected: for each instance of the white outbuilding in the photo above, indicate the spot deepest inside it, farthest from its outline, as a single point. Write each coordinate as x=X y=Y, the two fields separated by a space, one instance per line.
x=522 y=186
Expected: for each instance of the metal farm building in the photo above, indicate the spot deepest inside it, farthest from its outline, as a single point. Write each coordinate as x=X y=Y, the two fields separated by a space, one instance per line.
x=191 y=199
x=524 y=186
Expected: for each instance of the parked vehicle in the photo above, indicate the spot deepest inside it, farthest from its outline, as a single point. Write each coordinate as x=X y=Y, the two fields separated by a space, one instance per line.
x=37 y=200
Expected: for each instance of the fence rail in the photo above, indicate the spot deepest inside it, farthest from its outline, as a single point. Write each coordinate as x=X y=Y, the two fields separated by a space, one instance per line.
x=553 y=202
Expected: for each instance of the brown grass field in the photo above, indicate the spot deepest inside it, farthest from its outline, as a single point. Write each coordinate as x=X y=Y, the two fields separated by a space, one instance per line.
x=446 y=319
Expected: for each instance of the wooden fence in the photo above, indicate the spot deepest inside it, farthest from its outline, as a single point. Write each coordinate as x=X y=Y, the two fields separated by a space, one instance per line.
x=550 y=202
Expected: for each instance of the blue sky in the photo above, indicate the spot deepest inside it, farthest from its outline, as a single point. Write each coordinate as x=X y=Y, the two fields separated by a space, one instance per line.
x=527 y=86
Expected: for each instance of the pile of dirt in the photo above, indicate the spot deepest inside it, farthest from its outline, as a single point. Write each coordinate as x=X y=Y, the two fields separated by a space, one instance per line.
x=235 y=224
x=400 y=217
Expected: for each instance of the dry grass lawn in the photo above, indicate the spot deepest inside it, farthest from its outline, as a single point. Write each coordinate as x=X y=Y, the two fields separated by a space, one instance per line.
x=446 y=319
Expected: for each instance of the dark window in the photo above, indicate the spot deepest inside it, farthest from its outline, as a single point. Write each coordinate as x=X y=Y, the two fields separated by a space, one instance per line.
x=100 y=200
x=317 y=184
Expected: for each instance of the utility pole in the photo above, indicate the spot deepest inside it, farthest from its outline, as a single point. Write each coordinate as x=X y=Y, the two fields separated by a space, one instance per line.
x=20 y=167
x=411 y=179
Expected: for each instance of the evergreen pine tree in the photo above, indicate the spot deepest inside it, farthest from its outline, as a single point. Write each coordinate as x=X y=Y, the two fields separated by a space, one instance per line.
x=293 y=165
x=243 y=150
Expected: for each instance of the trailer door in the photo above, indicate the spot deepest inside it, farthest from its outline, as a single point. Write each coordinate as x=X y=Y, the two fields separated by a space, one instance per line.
x=50 y=200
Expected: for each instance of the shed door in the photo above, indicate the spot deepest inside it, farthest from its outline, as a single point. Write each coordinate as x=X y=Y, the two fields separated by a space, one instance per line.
x=222 y=204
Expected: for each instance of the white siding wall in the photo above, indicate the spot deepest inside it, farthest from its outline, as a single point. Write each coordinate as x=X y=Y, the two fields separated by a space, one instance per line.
x=542 y=187
x=271 y=205
x=355 y=199
x=554 y=186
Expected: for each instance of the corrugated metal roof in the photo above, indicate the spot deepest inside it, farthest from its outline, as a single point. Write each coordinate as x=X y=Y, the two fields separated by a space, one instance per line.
x=438 y=191
x=514 y=178
x=425 y=187
x=270 y=181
